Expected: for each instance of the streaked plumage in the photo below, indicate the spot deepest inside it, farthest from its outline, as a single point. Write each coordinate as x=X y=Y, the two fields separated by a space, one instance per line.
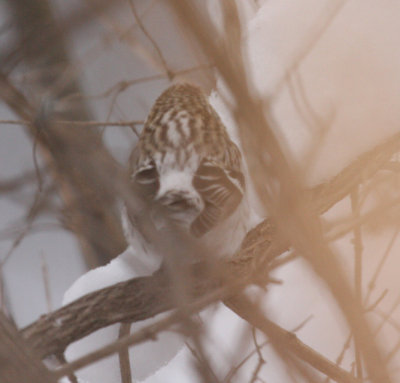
x=190 y=174
x=185 y=162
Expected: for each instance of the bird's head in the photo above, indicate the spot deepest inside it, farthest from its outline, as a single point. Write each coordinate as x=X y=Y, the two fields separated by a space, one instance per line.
x=185 y=165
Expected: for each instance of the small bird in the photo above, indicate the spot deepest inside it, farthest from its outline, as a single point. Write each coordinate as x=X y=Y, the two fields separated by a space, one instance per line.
x=190 y=176
x=189 y=171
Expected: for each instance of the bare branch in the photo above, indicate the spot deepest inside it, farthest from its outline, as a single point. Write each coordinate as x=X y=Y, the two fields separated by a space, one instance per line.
x=144 y=297
x=286 y=340
x=66 y=152
x=18 y=363
x=146 y=333
x=152 y=41
x=123 y=355
x=82 y=124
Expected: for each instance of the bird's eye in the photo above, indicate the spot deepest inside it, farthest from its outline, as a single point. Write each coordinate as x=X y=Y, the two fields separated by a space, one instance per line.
x=147 y=176
x=146 y=181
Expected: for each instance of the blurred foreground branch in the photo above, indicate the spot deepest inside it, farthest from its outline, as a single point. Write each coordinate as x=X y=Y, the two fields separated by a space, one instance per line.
x=90 y=182
x=144 y=297
x=276 y=181
x=18 y=363
x=89 y=213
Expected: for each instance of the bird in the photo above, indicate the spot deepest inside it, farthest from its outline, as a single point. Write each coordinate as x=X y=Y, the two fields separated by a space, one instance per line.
x=191 y=178
x=190 y=173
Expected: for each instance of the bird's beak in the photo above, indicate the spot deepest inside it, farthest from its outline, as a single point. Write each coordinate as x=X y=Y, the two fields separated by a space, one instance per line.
x=176 y=207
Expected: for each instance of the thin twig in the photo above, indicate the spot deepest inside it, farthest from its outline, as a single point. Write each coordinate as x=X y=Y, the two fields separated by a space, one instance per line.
x=30 y=217
x=203 y=365
x=5 y=234
x=348 y=226
x=123 y=354
x=126 y=84
x=147 y=332
x=18 y=182
x=88 y=124
x=261 y=360
x=285 y=340
x=340 y=357
x=375 y=304
x=358 y=250
x=236 y=368
x=36 y=164
x=392 y=353
x=385 y=256
x=46 y=282
x=389 y=320
x=308 y=46
x=388 y=315
x=150 y=38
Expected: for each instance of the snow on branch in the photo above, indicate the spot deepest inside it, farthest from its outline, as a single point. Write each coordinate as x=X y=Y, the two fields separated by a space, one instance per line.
x=144 y=297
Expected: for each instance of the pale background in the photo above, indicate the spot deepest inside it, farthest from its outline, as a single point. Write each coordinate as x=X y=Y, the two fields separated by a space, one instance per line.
x=351 y=78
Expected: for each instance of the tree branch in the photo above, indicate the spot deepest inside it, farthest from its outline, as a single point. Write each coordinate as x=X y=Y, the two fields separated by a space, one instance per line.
x=286 y=340
x=18 y=363
x=144 y=297
x=42 y=46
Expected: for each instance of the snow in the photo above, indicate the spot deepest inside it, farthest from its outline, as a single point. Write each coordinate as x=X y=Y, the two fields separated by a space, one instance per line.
x=66 y=380
x=146 y=358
